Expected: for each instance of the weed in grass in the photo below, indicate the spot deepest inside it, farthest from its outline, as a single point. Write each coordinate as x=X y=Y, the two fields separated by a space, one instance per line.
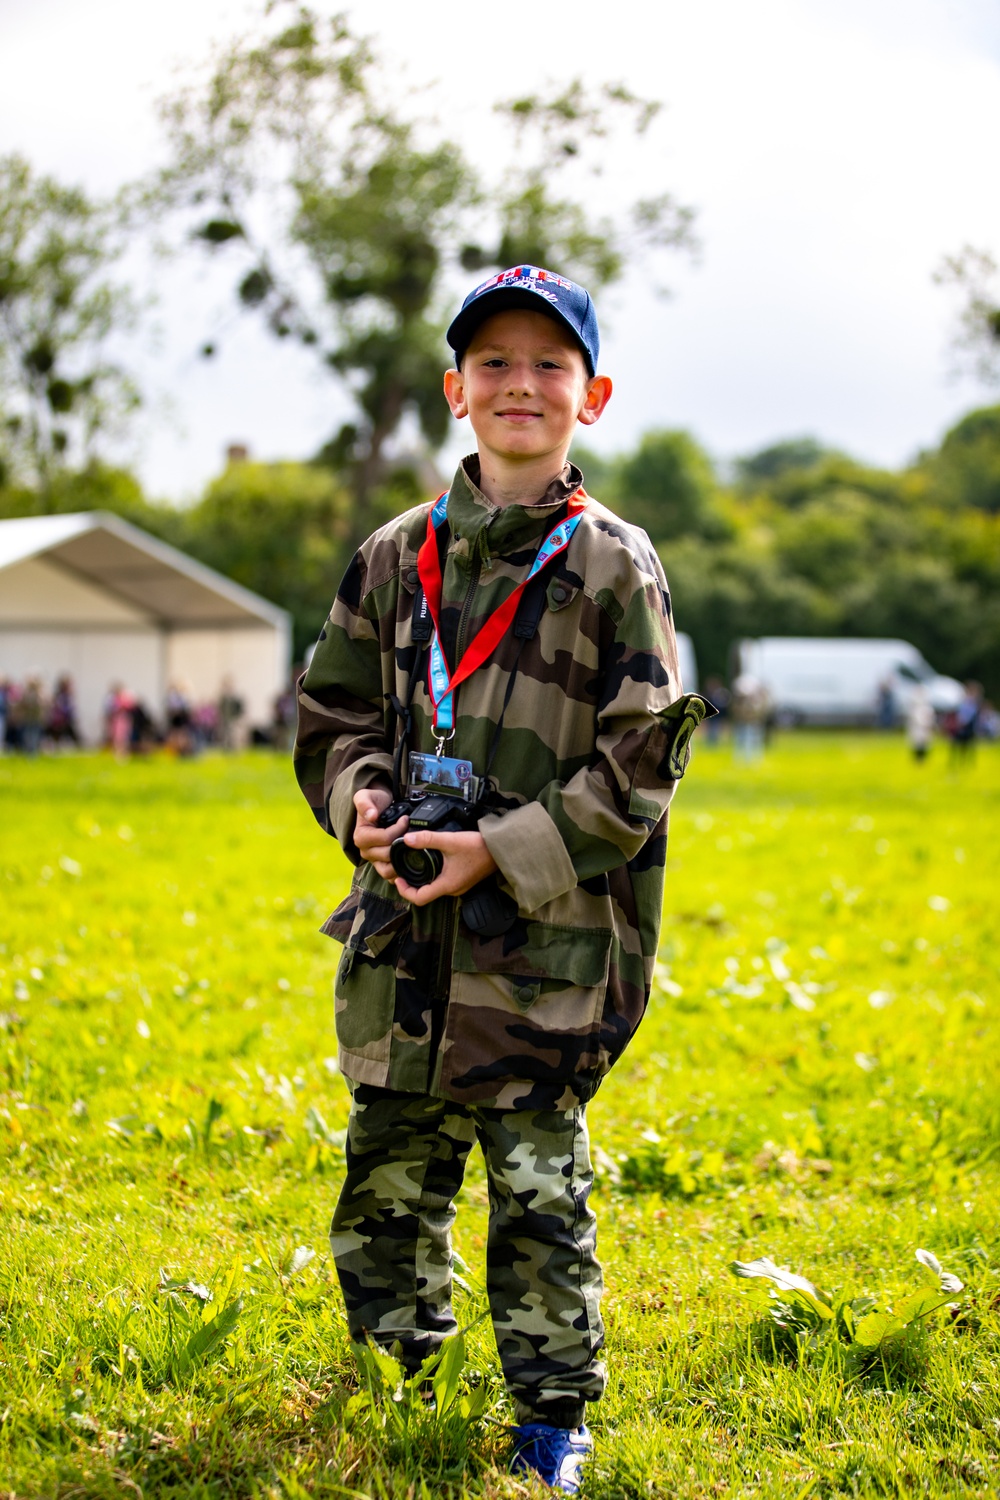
x=193 y=1338
x=426 y=1417
x=893 y=1339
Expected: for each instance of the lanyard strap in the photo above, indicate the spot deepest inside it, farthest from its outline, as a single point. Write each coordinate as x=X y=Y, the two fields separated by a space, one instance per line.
x=441 y=681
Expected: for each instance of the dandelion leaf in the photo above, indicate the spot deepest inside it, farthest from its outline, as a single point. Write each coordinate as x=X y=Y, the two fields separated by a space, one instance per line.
x=875 y=1328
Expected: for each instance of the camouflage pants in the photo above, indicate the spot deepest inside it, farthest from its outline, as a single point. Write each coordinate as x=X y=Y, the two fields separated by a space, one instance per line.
x=391 y=1239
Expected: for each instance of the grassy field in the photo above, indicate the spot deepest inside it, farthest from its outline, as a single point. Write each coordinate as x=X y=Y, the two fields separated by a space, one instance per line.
x=816 y=1082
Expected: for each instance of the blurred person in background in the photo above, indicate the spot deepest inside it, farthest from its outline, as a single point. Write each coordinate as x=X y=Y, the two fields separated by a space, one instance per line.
x=230 y=711
x=4 y=697
x=283 y=719
x=119 y=706
x=180 y=726
x=205 y=726
x=885 y=705
x=719 y=696
x=749 y=708
x=60 y=726
x=964 y=725
x=920 y=722
x=13 y=732
x=144 y=736
x=30 y=715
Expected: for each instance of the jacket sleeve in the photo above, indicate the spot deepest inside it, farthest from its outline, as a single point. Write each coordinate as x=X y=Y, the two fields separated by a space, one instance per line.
x=602 y=816
x=344 y=740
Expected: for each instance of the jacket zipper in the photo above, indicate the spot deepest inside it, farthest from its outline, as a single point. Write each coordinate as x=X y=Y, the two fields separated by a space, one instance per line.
x=463 y=619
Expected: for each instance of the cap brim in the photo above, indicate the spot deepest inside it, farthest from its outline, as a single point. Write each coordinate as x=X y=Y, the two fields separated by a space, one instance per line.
x=506 y=299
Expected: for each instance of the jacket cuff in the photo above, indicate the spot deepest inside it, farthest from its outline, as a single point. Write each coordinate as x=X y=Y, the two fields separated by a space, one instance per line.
x=530 y=854
x=374 y=770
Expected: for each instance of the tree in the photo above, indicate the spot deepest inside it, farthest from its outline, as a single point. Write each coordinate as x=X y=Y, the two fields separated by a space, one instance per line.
x=837 y=548
x=59 y=390
x=350 y=222
x=668 y=487
x=965 y=471
x=722 y=591
x=97 y=486
x=793 y=488
x=772 y=462
x=283 y=530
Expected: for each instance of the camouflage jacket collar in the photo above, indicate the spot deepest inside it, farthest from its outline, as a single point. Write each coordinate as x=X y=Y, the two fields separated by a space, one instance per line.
x=502 y=529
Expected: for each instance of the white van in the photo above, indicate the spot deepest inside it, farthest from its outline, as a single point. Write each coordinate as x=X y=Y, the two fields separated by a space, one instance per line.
x=831 y=680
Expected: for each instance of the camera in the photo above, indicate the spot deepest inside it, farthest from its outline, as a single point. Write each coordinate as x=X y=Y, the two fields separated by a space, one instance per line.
x=445 y=797
x=429 y=812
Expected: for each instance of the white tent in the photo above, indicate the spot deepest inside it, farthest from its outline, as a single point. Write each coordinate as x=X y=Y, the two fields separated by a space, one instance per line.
x=94 y=597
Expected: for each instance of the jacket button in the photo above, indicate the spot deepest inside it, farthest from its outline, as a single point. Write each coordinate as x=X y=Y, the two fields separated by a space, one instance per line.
x=559 y=594
x=525 y=993
x=412 y=577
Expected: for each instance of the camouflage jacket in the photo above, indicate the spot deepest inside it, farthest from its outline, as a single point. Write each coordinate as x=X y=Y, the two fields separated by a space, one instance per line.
x=593 y=741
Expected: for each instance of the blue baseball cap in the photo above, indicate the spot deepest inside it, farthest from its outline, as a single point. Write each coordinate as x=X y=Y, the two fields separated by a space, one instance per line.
x=539 y=291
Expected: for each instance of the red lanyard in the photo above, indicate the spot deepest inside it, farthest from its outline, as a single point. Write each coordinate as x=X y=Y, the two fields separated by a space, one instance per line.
x=441 y=682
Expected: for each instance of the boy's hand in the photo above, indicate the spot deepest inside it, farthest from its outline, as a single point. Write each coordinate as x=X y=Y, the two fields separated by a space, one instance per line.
x=467 y=861
x=373 y=843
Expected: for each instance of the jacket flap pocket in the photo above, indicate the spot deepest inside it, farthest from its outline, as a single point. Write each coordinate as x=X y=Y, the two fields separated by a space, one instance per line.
x=366 y=921
x=377 y=923
x=340 y=921
x=539 y=950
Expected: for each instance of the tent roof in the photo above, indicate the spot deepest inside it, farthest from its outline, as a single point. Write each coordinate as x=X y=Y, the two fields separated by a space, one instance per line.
x=170 y=587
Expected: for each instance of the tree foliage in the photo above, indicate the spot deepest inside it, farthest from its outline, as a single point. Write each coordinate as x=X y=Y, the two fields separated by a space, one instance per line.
x=778 y=459
x=59 y=389
x=97 y=486
x=667 y=486
x=829 y=547
x=966 y=469
x=286 y=531
x=348 y=221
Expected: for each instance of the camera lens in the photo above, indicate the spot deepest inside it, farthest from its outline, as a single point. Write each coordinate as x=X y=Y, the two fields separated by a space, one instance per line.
x=417 y=866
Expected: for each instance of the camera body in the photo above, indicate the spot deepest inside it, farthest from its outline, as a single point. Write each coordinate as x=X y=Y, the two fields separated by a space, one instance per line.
x=443 y=796
x=437 y=811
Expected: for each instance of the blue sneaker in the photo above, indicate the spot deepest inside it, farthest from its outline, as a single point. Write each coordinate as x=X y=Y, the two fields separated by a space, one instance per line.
x=555 y=1454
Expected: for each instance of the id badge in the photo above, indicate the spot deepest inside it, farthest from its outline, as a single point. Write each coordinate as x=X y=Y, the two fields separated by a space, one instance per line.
x=444 y=770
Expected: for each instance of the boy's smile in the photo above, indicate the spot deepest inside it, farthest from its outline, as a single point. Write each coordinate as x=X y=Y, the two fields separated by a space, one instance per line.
x=524 y=386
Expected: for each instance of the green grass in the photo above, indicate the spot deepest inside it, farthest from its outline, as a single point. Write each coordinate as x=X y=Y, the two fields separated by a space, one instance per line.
x=816 y=1082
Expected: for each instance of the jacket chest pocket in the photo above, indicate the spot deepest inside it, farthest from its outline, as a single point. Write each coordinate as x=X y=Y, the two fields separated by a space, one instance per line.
x=559 y=594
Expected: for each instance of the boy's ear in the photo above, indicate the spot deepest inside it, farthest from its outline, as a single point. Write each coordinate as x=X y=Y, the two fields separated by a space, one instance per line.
x=597 y=397
x=454 y=392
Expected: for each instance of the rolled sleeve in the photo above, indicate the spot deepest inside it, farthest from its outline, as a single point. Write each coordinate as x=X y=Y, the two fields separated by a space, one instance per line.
x=375 y=770
x=530 y=854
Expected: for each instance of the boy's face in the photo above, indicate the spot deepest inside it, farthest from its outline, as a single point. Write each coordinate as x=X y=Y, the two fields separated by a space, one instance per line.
x=524 y=386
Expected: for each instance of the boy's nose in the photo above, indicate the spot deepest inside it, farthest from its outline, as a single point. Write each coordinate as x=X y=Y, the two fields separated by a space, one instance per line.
x=519 y=382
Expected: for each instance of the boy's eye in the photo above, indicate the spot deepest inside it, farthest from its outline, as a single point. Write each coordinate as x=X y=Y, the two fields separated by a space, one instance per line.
x=494 y=364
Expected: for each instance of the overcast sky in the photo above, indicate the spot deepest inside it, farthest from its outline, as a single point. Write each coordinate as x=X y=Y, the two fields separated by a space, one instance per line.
x=834 y=152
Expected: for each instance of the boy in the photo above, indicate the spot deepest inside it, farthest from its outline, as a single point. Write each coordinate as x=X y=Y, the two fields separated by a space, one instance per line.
x=495 y=968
